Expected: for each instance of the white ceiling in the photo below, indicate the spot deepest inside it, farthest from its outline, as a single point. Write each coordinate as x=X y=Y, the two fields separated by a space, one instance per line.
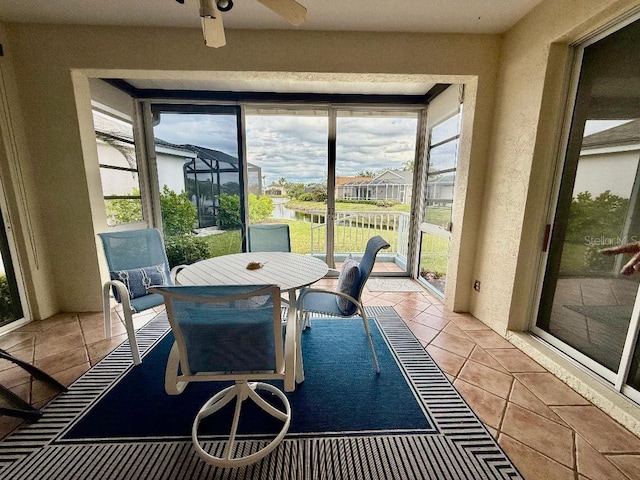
x=436 y=16
x=452 y=16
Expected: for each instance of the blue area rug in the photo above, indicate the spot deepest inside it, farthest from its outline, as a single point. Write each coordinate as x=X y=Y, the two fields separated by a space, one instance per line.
x=341 y=393
x=116 y=422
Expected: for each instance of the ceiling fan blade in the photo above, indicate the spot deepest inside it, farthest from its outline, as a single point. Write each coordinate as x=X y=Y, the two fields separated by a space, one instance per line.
x=290 y=10
x=213 y=32
x=212 y=27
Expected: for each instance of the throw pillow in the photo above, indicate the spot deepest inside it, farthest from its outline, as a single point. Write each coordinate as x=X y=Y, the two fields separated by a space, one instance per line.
x=139 y=280
x=347 y=281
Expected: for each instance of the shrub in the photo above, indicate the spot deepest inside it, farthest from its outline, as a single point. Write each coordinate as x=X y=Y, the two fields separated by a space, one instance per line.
x=6 y=305
x=598 y=217
x=351 y=200
x=306 y=197
x=229 y=213
x=124 y=210
x=260 y=208
x=319 y=194
x=178 y=213
x=385 y=203
x=596 y=261
x=294 y=190
x=185 y=249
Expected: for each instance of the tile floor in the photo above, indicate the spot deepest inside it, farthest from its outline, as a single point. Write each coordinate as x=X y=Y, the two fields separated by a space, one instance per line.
x=548 y=430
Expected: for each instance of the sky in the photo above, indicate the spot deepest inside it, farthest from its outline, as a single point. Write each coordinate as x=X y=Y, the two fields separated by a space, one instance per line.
x=295 y=146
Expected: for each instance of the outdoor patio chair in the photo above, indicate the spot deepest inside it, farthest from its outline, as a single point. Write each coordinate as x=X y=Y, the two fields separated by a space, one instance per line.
x=137 y=260
x=230 y=333
x=346 y=300
x=268 y=237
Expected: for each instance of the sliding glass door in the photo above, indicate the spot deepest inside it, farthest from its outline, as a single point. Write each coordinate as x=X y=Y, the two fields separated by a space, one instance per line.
x=10 y=305
x=199 y=174
x=588 y=308
x=289 y=148
x=336 y=176
x=374 y=176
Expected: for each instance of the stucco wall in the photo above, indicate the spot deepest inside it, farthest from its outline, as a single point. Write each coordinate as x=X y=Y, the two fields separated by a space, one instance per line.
x=527 y=120
x=21 y=207
x=54 y=94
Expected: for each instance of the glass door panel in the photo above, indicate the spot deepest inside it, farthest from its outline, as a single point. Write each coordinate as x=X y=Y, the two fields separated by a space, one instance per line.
x=434 y=256
x=200 y=178
x=375 y=153
x=10 y=306
x=435 y=229
x=287 y=173
x=586 y=304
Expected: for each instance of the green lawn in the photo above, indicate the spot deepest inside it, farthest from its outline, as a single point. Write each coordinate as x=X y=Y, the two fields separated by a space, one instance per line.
x=347 y=239
x=224 y=243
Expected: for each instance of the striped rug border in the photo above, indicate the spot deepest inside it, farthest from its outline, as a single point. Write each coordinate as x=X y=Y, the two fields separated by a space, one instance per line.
x=463 y=449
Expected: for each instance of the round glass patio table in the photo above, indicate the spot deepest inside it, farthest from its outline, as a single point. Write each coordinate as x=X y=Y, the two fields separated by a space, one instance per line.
x=290 y=271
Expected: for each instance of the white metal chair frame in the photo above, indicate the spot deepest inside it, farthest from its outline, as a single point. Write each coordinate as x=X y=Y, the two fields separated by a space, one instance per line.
x=243 y=388
x=304 y=319
x=374 y=245
x=127 y=309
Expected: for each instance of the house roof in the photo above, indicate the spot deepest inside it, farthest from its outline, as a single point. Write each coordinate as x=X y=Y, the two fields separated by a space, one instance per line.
x=351 y=180
x=393 y=177
x=203 y=153
x=622 y=135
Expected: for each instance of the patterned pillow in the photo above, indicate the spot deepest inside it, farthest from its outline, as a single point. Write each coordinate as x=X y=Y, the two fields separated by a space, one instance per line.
x=347 y=281
x=139 y=280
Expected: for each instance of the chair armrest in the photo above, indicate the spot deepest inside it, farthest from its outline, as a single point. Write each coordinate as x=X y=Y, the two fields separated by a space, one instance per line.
x=332 y=292
x=173 y=274
x=123 y=292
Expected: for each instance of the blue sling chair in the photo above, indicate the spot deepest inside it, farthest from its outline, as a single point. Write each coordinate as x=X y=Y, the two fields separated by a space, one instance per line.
x=230 y=333
x=137 y=260
x=346 y=300
x=268 y=237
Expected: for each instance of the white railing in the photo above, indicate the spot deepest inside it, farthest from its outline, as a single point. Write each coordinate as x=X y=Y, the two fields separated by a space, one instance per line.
x=352 y=230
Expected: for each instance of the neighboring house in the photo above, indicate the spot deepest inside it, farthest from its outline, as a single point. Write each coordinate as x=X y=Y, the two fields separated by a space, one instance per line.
x=275 y=190
x=609 y=161
x=198 y=171
x=351 y=187
x=393 y=185
x=440 y=189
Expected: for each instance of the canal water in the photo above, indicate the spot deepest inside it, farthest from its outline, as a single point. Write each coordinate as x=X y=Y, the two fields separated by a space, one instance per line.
x=281 y=211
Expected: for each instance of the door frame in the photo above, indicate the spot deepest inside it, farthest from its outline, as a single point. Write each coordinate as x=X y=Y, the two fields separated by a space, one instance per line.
x=615 y=380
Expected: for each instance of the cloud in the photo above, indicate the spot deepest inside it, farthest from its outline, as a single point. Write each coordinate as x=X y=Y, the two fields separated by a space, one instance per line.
x=295 y=146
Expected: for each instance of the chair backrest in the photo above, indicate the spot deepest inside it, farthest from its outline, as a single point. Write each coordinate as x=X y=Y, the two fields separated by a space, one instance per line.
x=374 y=245
x=226 y=329
x=129 y=249
x=268 y=237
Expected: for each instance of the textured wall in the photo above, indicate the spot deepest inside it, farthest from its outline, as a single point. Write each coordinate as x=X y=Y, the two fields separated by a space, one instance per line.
x=527 y=121
x=53 y=77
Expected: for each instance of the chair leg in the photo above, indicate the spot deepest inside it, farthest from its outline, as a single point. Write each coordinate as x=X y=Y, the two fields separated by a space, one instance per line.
x=368 y=332
x=131 y=333
x=106 y=309
x=240 y=392
x=171 y=383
